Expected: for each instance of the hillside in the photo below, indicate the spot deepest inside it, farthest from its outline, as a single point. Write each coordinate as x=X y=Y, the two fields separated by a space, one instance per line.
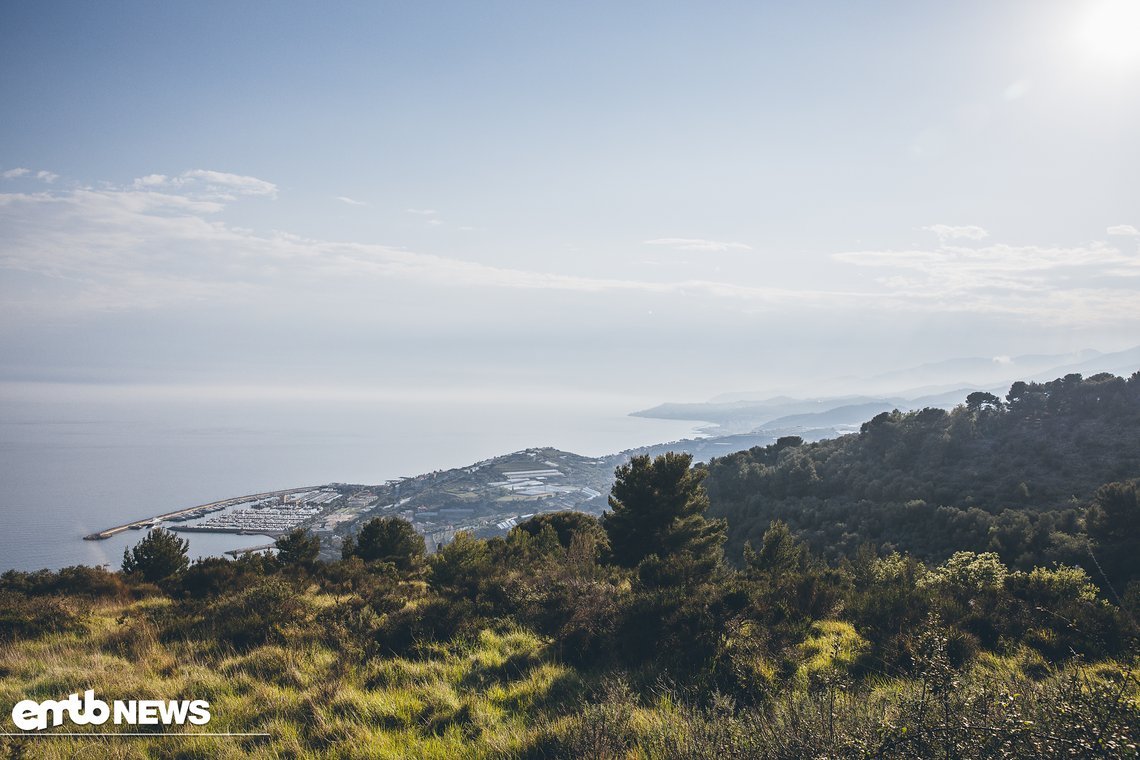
x=1006 y=475
x=574 y=637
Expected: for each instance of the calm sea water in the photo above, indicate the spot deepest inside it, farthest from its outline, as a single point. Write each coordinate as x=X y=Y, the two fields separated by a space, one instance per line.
x=71 y=468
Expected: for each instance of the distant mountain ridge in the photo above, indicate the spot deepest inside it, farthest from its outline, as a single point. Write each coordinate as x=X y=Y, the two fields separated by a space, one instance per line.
x=1122 y=363
x=981 y=372
x=927 y=385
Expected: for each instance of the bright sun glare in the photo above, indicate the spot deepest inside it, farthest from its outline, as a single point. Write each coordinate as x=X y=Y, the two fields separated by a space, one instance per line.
x=1110 y=31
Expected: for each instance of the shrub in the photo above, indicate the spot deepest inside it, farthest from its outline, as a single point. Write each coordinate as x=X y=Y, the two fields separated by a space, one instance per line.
x=22 y=616
x=159 y=556
x=268 y=611
x=79 y=580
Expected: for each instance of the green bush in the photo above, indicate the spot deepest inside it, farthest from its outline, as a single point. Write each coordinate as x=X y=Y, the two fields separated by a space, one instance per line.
x=271 y=610
x=23 y=616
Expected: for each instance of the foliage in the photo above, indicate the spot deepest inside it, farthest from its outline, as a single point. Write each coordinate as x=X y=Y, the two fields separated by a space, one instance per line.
x=210 y=577
x=569 y=526
x=1007 y=477
x=657 y=507
x=77 y=581
x=28 y=616
x=298 y=548
x=264 y=612
x=159 y=556
x=387 y=539
x=1112 y=520
x=461 y=567
x=967 y=572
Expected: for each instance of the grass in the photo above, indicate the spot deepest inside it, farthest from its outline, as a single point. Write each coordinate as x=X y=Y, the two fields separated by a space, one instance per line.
x=483 y=694
x=503 y=694
x=832 y=646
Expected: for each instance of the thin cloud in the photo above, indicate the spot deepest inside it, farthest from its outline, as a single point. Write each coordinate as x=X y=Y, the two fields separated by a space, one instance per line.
x=952 y=232
x=127 y=249
x=430 y=215
x=697 y=244
x=43 y=174
x=1074 y=285
x=111 y=249
x=235 y=183
x=152 y=180
x=1123 y=230
x=350 y=201
x=209 y=184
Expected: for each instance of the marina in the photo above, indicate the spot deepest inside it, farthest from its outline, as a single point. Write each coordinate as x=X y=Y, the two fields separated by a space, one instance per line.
x=268 y=516
x=191 y=513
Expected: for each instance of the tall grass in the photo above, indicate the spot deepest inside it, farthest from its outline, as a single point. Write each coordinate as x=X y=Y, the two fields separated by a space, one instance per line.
x=502 y=694
x=478 y=697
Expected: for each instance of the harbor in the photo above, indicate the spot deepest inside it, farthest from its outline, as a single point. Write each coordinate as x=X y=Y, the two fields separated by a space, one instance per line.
x=272 y=516
x=191 y=513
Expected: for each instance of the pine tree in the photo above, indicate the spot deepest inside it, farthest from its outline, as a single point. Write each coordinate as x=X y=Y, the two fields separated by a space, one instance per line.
x=160 y=555
x=388 y=539
x=657 y=507
x=299 y=547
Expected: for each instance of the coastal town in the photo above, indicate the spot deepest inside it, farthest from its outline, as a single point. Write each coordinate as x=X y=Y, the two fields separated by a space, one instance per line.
x=486 y=498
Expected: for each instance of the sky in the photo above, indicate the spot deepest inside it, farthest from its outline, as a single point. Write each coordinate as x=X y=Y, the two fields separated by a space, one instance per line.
x=515 y=197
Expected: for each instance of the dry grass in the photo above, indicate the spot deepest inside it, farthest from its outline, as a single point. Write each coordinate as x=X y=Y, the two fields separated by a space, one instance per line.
x=466 y=699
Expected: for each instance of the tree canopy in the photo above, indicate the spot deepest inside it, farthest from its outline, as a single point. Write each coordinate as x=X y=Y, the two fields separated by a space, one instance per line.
x=1010 y=477
x=298 y=548
x=657 y=507
x=159 y=556
x=387 y=539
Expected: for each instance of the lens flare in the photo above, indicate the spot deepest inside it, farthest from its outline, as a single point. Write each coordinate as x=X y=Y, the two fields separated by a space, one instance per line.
x=1110 y=32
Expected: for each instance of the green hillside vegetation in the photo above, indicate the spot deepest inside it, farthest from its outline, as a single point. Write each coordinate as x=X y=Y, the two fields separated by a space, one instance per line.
x=631 y=636
x=1010 y=476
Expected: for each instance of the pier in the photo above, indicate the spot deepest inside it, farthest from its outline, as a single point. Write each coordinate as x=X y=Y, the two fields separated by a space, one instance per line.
x=235 y=553
x=152 y=521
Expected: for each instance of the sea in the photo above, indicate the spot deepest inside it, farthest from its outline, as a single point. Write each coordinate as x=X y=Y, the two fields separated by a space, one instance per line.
x=73 y=466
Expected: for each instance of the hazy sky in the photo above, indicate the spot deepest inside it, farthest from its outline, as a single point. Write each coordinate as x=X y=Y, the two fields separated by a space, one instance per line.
x=686 y=198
